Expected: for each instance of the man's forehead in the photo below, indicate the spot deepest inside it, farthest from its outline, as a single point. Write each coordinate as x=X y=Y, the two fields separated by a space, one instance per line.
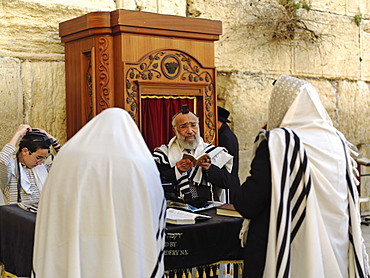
x=186 y=118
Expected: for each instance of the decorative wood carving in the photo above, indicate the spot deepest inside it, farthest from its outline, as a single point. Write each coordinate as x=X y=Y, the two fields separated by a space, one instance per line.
x=166 y=66
x=103 y=68
x=89 y=83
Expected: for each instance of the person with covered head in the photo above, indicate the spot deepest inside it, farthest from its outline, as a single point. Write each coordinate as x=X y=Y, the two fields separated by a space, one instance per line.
x=300 y=197
x=22 y=175
x=102 y=211
x=193 y=183
x=228 y=140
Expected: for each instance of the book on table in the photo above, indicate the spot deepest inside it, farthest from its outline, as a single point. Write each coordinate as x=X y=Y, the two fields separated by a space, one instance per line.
x=180 y=217
x=227 y=210
x=183 y=206
x=195 y=160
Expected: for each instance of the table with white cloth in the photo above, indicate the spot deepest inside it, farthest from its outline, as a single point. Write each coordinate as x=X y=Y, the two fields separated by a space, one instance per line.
x=202 y=244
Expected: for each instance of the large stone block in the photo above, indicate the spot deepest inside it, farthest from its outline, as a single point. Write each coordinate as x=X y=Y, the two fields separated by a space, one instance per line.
x=245 y=159
x=364 y=176
x=365 y=46
x=338 y=7
x=137 y=5
x=338 y=53
x=44 y=97
x=173 y=7
x=11 y=112
x=246 y=96
x=29 y=29
x=353 y=111
x=248 y=42
x=244 y=44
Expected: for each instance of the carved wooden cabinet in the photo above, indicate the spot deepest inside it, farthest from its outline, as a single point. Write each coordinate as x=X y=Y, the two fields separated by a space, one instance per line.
x=118 y=58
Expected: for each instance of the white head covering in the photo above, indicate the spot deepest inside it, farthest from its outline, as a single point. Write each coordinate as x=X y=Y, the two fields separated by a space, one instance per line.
x=102 y=210
x=284 y=93
x=327 y=239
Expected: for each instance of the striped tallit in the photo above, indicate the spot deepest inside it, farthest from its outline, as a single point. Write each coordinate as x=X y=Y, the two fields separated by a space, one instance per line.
x=172 y=153
x=32 y=180
x=314 y=228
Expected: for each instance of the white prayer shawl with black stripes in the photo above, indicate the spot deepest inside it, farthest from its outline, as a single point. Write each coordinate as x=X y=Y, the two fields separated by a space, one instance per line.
x=172 y=153
x=102 y=209
x=314 y=226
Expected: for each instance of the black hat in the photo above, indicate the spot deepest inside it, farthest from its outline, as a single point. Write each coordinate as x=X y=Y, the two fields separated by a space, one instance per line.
x=36 y=136
x=184 y=109
x=223 y=114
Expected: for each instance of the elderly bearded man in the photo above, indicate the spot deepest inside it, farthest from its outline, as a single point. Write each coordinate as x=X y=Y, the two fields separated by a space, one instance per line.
x=194 y=183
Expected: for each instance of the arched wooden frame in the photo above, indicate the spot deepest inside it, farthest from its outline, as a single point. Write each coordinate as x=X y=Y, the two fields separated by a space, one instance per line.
x=172 y=72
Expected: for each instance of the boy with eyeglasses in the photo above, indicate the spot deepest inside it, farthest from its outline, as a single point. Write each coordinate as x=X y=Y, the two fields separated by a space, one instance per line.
x=22 y=175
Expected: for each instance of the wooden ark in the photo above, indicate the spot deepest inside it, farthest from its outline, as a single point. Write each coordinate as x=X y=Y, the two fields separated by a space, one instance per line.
x=114 y=59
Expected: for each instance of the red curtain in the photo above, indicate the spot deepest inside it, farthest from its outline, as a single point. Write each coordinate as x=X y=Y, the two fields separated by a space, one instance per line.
x=156 y=118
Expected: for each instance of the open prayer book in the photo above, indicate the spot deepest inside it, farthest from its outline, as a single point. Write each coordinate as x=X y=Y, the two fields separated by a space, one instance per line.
x=180 y=217
x=187 y=207
x=195 y=160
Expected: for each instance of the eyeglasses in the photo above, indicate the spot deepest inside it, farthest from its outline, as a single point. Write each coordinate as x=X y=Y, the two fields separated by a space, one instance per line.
x=38 y=159
x=184 y=126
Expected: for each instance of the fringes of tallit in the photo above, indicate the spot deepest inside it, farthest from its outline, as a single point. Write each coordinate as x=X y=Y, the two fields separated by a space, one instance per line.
x=224 y=268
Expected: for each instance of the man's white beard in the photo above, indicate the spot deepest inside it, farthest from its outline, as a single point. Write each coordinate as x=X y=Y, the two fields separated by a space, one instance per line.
x=188 y=145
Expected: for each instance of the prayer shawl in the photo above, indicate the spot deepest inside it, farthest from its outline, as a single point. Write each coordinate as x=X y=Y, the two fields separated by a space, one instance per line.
x=172 y=153
x=40 y=172
x=314 y=228
x=102 y=211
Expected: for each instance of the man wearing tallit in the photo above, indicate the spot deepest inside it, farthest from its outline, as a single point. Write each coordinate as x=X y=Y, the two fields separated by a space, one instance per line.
x=194 y=183
x=301 y=196
x=102 y=211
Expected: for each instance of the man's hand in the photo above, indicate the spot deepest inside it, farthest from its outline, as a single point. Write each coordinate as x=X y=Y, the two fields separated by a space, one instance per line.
x=184 y=164
x=205 y=163
x=47 y=134
x=21 y=131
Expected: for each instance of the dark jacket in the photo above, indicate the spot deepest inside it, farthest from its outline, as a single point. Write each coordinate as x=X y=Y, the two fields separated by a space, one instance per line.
x=253 y=201
x=228 y=140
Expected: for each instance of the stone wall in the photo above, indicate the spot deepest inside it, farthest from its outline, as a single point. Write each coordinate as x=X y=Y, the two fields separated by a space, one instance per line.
x=247 y=60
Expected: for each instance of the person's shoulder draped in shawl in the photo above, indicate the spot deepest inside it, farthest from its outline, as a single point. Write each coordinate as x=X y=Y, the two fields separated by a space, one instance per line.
x=102 y=210
x=314 y=228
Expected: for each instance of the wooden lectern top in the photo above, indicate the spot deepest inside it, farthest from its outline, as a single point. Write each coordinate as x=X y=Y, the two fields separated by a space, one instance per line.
x=139 y=22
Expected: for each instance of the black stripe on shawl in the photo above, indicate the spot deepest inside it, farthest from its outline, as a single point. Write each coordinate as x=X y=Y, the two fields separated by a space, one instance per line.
x=195 y=171
x=359 y=269
x=161 y=233
x=185 y=190
x=281 y=204
x=287 y=268
x=295 y=152
x=294 y=232
x=163 y=211
x=209 y=148
x=293 y=189
x=348 y=179
x=159 y=259
x=358 y=265
x=163 y=158
x=295 y=185
x=186 y=182
x=182 y=178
